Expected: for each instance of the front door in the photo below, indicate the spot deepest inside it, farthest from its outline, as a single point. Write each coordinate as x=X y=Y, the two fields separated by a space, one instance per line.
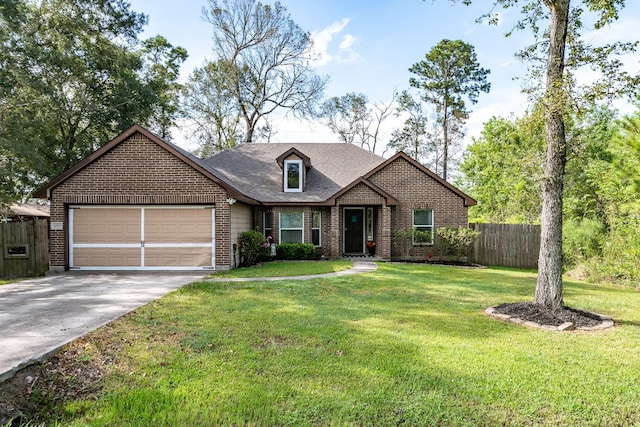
x=354 y=230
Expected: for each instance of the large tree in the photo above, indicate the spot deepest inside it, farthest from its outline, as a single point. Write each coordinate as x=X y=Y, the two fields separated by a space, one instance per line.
x=265 y=60
x=558 y=27
x=450 y=73
x=354 y=120
x=346 y=115
x=72 y=76
x=413 y=137
x=161 y=72
x=210 y=109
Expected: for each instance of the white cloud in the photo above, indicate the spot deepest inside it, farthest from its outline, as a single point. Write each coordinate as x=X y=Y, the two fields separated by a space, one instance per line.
x=347 y=41
x=348 y=53
x=322 y=39
x=322 y=43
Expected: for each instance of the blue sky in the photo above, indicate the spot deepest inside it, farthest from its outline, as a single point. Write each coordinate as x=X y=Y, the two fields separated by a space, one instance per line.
x=368 y=46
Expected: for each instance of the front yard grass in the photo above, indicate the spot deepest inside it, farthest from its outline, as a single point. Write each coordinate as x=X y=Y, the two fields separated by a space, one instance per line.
x=405 y=345
x=284 y=269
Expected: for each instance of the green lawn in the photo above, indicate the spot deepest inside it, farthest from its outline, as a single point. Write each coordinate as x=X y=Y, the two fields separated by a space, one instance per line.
x=405 y=345
x=284 y=269
x=4 y=282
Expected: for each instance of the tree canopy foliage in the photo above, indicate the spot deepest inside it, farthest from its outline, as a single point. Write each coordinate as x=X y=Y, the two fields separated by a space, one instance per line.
x=421 y=138
x=161 y=71
x=503 y=168
x=354 y=120
x=73 y=74
x=449 y=74
x=262 y=64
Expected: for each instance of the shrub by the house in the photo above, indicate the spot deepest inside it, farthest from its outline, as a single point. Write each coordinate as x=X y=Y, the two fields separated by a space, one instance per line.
x=454 y=243
x=253 y=248
x=403 y=241
x=295 y=251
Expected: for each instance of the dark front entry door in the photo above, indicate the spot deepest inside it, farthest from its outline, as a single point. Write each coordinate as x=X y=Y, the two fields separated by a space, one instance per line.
x=354 y=230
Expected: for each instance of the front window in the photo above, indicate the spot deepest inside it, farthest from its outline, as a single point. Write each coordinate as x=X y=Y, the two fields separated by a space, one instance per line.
x=423 y=226
x=293 y=175
x=291 y=227
x=316 y=219
x=267 y=224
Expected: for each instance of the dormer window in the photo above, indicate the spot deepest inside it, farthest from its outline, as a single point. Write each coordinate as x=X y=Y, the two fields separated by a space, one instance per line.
x=293 y=175
x=294 y=166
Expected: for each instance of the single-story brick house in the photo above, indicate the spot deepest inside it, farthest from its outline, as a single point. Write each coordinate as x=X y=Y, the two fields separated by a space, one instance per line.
x=140 y=202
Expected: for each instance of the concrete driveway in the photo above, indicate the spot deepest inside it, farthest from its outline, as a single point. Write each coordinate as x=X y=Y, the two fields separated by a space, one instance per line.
x=38 y=316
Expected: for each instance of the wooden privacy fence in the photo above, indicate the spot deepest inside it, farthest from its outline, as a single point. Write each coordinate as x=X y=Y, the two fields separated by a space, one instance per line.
x=25 y=249
x=506 y=245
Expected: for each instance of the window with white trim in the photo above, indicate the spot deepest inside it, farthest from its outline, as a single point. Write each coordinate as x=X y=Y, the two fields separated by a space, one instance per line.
x=267 y=224
x=291 y=227
x=293 y=175
x=423 y=226
x=316 y=222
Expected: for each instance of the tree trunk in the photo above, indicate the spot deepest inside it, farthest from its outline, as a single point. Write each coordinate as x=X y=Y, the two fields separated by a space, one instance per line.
x=549 y=284
x=445 y=138
x=251 y=124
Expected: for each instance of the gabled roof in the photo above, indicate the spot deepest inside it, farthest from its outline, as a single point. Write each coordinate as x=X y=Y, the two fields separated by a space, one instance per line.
x=185 y=156
x=252 y=173
x=391 y=201
x=252 y=169
x=468 y=200
x=305 y=159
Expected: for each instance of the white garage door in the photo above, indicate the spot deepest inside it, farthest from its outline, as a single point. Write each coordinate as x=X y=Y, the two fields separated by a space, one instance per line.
x=141 y=237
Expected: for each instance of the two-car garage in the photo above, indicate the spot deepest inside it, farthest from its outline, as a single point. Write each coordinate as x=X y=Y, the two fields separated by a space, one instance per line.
x=103 y=237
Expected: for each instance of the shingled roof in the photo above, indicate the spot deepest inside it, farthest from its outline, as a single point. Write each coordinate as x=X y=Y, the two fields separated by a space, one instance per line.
x=252 y=169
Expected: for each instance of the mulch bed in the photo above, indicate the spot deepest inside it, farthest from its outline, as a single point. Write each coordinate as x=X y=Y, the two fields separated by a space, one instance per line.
x=454 y=263
x=530 y=312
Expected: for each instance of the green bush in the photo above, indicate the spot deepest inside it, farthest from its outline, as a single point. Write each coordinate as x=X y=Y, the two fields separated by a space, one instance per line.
x=295 y=251
x=620 y=253
x=403 y=241
x=253 y=248
x=454 y=242
x=582 y=239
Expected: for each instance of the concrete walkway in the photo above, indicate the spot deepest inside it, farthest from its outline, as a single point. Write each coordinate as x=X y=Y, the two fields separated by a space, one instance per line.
x=359 y=267
x=40 y=316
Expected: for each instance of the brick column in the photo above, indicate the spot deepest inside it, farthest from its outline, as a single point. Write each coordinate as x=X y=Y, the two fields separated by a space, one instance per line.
x=335 y=231
x=384 y=239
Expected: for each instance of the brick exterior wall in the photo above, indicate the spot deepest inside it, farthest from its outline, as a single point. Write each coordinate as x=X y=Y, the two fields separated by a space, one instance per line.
x=138 y=172
x=409 y=185
x=416 y=190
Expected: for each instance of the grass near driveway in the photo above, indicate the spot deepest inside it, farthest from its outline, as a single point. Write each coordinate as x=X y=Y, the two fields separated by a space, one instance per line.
x=4 y=282
x=405 y=345
x=285 y=269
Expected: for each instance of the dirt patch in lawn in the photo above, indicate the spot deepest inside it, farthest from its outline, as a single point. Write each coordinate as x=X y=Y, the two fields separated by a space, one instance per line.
x=37 y=393
x=566 y=318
